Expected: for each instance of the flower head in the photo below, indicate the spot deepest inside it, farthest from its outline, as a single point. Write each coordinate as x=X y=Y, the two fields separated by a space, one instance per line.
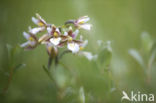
x=55 y=38
x=31 y=41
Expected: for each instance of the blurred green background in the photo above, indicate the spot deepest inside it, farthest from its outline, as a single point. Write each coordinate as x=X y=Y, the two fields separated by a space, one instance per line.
x=120 y=21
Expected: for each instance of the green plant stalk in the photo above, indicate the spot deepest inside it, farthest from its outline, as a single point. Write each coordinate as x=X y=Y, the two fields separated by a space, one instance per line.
x=9 y=80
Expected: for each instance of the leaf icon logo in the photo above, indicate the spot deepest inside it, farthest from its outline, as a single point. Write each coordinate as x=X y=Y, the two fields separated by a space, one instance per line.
x=125 y=96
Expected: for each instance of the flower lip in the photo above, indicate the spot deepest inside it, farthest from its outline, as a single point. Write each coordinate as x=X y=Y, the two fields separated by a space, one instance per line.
x=74 y=47
x=85 y=26
x=55 y=41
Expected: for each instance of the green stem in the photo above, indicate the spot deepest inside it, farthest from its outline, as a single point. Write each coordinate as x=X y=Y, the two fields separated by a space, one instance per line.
x=9 y=81
x=49 y=62
x=63 y=53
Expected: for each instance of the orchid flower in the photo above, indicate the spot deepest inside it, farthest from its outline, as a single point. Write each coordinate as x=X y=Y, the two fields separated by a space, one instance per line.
x=39 y=21
x=31 y=41
x=75 y=46
x=81 y=23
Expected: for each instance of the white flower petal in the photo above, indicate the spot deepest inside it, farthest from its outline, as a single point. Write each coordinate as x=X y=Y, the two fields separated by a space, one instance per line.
x=49 y=29
x=57 y=29
x=26 y=35
x=74 y=47
x=75 y=33
x=25 y=44
x=36 y=30
x=86 y=26
x=83 y=19
x=70 y=28
x=65 y=33
x=35 y=20
x=55 y=41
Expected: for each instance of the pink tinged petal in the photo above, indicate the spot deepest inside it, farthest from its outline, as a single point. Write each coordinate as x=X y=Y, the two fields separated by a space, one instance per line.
x=49 y=29
x=55 y=41
x=26 y=35
x=75 y=33
x=85 y=26
x=65 y=34
x=25 y=44
x=32 y=43
x=83 y=19
x=40 y=18
x=89 y=55
x=57 y=30
x=36 y=30
x=74 y=47
x=35 y=21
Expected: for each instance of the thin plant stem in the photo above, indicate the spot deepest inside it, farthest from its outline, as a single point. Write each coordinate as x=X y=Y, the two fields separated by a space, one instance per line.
x=63 y=53
x=9 y=80
x=50 y=60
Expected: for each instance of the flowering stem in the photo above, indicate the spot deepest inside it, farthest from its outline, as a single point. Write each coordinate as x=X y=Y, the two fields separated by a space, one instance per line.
x=63 y=53
x=50 y=62
x=9 y=80
x=149 y=73
x=56 y=61
x=69 y=22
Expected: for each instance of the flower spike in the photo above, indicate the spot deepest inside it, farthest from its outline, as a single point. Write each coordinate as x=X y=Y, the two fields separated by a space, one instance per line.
x=55 y=38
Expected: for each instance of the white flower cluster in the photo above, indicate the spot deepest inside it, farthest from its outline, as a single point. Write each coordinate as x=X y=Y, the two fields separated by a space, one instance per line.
x=58 y=37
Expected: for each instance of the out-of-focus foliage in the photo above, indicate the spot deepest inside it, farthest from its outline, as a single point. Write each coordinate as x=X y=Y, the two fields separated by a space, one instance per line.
x=79 y=80
x=147 y=56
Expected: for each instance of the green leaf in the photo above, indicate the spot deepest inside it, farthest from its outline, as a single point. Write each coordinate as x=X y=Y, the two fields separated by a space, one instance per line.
x=61 y=77
x=152 y=58
x=19 y=66
x=104 y=57
x=136 y=55
x=146 y=41
x=82 y=95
